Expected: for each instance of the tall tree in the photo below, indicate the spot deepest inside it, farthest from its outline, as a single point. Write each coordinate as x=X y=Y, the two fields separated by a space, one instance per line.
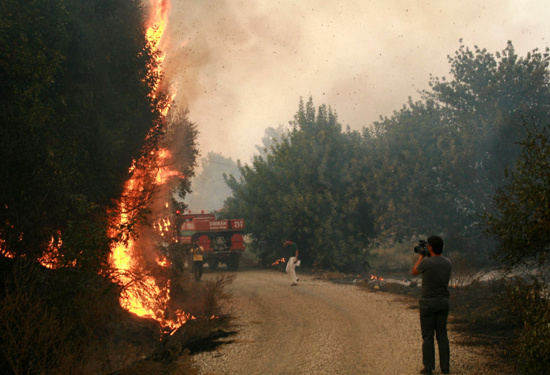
x=437 y=162
x=75 y=111
x=483 y=107
x=405 y=176
x=271 y=136
x=521 y=217
x=301 y=191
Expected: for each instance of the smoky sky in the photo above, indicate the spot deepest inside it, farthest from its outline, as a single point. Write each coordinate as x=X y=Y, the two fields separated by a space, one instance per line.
x=242 y=66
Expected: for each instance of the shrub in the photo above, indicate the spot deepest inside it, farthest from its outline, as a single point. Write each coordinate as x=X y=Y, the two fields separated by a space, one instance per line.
x=35 y=335
x=528 y=304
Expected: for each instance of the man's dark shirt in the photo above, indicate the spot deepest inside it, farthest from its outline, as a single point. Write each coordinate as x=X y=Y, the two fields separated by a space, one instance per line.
x=292 y=250
x=436 y=273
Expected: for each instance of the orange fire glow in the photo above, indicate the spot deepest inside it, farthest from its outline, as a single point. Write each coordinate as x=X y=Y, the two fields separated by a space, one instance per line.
x=374 y=277
x=158 y=19
x=145 y=296
x=163 y=262
x=7 y=254
x=164 y=171
x=51 y=258
x=278 y=261
x=156 y=26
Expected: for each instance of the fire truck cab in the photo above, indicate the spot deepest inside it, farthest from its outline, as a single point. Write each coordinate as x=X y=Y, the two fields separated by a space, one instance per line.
x=221 y=240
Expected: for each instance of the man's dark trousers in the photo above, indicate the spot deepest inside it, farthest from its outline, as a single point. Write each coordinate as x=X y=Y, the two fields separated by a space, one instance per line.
x=433 y=317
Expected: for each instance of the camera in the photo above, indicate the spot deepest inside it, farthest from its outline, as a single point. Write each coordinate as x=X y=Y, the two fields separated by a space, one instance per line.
x=422 y=248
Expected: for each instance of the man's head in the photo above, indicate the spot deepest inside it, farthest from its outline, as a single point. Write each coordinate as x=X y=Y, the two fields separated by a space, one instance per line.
x=436 y=244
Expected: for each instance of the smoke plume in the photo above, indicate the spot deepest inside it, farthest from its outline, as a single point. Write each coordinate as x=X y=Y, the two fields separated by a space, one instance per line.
x=241 y=66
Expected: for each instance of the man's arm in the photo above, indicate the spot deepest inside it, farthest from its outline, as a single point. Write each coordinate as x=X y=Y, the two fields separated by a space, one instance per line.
x=415 y=267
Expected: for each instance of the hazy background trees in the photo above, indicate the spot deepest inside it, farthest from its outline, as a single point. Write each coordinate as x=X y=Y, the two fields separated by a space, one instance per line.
x=208 y=190
x=302 y=190
x=430 y=168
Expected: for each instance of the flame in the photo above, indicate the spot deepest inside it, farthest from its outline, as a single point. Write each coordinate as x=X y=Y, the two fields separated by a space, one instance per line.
x=52 y=258
x=7 y=254
x=163 y=262
x=374 y=277
x=156 y=26
x=157 y=22
x=164 y=172
x=145 y=296
x=278 y=261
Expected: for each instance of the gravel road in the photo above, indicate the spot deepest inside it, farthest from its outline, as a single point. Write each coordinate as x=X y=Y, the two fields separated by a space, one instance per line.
x=319 y=327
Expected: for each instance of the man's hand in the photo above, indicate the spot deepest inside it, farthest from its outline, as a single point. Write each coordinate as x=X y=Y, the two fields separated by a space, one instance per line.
x=415 y=271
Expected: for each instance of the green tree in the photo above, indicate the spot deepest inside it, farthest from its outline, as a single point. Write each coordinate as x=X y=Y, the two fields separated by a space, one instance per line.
x=483 y=107
x=521 y=217
x=437 y=162
x=520 y=222
x=302 y=191
x=181 y=138
x=75 y=111
x=405 y=176
x=271 y=136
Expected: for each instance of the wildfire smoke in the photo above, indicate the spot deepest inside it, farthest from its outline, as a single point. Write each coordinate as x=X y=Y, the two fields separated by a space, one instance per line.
x=139 y=266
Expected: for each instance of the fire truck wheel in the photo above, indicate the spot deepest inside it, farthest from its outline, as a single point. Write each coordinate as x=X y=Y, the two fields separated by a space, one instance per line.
x=213 y=264
x=233 y=262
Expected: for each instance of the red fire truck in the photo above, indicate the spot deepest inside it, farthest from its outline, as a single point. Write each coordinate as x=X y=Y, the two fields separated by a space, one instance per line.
x=221 y=240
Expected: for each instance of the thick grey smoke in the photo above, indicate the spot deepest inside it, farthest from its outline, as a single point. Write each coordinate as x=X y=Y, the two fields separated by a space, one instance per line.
x=241 y=66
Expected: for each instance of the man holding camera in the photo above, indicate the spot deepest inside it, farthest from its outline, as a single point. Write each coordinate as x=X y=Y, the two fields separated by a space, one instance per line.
x=434 y=302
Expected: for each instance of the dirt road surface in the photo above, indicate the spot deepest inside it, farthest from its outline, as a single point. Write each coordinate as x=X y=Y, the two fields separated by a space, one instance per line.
x=319 y=327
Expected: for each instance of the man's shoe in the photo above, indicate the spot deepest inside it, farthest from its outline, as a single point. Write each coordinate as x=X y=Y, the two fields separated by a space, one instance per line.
x=445 y=371
x=293 y=284
x=426 y=371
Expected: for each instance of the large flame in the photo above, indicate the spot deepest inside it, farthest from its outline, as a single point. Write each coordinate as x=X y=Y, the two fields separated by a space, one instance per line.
x=165 y=172
x=156 y=25
x=144 y=295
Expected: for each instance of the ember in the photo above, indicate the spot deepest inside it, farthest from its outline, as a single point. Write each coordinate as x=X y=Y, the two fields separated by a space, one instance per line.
x=278 y=261
x=374 y=277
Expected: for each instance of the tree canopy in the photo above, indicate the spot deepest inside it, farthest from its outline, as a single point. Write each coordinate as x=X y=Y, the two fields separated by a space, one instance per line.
x=302 y=191
x=520 y=219
x=430 y=168
x=75 y=111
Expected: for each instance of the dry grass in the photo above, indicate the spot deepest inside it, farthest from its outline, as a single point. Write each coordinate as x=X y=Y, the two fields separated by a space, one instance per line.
x=39 y=336
x=394 y=257
x=66 y=322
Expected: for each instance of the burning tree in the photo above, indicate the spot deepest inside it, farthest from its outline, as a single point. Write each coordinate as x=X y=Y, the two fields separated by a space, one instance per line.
x=90 y=156
x=76 y=109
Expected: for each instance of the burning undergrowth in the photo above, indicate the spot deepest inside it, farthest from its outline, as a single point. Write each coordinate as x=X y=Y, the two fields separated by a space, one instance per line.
x=61 y=321
x=134 y=308
x=138 y=262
